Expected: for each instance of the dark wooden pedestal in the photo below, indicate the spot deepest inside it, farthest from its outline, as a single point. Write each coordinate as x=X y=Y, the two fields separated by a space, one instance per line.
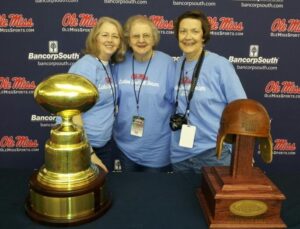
x=240 y=196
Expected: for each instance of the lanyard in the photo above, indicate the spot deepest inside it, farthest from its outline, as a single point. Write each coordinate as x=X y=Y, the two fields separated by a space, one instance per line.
x=195 y=77
x=112 y=85
x=137 y=96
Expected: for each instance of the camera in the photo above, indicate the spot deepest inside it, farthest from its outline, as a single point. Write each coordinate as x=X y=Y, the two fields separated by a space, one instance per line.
x=177 y=120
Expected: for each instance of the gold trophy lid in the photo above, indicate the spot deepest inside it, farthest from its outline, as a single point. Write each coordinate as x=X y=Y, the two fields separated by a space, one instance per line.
x=66 y=94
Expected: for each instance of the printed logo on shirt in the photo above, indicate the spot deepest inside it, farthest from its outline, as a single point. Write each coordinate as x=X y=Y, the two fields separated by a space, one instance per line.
x=185 y=86
x=137 y=79
x=186 y=80
x=106 y=85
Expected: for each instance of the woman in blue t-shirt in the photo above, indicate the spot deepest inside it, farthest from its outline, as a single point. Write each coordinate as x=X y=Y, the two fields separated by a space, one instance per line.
x=104 y=46
x=145 y=80
x=215 y=84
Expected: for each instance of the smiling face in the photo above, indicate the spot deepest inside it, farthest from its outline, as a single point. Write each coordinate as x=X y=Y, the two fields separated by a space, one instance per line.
x=190 y=38
x=141 y=40
x=108 y=40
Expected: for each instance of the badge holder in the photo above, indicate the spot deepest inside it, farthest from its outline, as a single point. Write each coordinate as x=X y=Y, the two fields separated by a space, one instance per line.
x=187 y=136
x=137 y=126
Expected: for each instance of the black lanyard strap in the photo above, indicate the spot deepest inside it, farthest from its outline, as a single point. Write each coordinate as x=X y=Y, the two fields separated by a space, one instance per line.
x=137 y=96
x=195 y=77
x=112 y=84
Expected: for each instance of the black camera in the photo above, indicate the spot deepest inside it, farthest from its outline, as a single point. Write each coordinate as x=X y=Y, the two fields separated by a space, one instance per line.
x=177 y=120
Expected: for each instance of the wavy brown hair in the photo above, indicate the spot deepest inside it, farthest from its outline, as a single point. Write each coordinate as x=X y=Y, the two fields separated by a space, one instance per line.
x=91 y=40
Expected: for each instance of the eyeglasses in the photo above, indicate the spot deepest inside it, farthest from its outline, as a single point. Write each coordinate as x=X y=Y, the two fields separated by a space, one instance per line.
x=145 y=36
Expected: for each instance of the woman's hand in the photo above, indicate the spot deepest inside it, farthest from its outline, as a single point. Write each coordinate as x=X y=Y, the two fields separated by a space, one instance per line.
x=96 y=160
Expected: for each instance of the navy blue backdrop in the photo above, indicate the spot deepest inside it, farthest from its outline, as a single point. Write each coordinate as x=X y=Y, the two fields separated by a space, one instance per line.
x=40 y=38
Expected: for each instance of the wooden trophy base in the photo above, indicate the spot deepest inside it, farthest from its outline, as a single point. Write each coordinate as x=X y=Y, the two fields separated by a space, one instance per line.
x=228 y=202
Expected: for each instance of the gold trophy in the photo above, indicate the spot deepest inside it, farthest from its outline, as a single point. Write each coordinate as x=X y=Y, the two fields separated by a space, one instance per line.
x=68 y=189
x=241 y=195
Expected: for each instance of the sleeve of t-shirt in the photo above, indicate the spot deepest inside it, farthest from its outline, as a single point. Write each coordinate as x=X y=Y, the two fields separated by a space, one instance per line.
x=170 y=81
x=86 y=69
x=230 y=82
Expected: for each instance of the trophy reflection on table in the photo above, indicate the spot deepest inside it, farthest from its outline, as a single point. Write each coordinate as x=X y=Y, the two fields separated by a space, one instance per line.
x=68 y=189
x=240 y=195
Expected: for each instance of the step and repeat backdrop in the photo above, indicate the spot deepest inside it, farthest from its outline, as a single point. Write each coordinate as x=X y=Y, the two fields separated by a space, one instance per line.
x=39 y=38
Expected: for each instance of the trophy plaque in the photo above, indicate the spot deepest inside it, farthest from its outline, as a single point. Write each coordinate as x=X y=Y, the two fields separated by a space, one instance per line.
x=68 y=189
x=241 y=195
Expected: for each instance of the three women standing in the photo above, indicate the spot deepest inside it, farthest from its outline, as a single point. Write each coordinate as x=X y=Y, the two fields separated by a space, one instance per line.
x=148 y=88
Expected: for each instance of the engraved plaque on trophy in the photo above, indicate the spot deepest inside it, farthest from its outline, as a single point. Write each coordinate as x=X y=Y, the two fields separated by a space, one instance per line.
x=241 y=195
x=68 y=189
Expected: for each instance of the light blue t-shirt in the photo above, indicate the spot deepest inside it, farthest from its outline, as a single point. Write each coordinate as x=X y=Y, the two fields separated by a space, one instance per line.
x=217 y=85
x=155 y=106
x=98 y=121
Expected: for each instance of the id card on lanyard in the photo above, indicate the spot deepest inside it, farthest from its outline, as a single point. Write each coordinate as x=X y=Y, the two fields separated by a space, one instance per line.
x=187 y=136
x=137 y=126
x=138 y=122
x=188 y=132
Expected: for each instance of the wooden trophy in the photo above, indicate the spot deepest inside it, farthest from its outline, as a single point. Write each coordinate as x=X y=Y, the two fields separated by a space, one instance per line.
x=240 y=195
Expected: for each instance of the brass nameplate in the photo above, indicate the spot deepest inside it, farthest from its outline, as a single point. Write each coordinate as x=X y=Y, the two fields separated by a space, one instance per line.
x=248 y=208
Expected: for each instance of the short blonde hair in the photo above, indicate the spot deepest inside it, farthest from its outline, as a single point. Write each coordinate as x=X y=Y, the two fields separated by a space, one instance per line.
x=140 y=19
x=91 y=40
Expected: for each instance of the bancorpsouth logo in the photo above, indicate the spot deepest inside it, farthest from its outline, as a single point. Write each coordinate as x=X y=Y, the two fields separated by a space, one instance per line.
x=282 y=90
x=285 y=28
x=255 y=61
x=18 y=143
x=164 y=26
x=83 y=22
x=16 y=85
x=261 y=4
x=253 y=50
x=53 y=46
x=44 y=120
x=284 y=147
x=194 y=3
x=225 y=26
x=16 y=22
x=54 y=57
